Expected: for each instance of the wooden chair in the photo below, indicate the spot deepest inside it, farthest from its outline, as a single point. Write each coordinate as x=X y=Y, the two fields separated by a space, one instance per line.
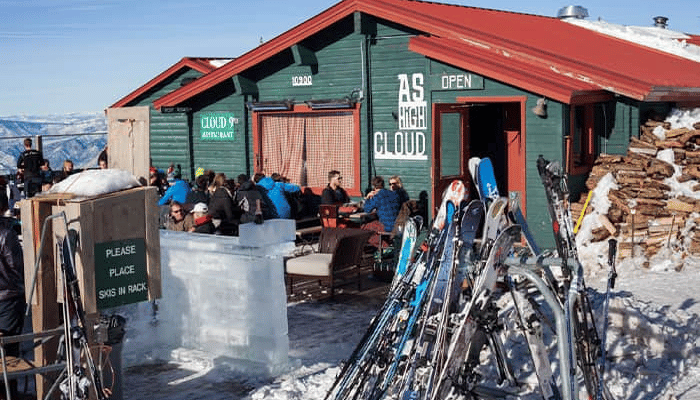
x=329 y=215
x=337 y=261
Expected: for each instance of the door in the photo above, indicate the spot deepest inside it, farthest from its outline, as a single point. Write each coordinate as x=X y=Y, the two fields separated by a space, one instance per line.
x=450 y=154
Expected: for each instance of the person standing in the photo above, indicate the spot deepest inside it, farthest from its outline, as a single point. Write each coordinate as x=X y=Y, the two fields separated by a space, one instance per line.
x=177 y=191
x=276 y=190
x=223 y=210
x=334 y=192
x=12 y=301
x=29 y=162
x=247 y=198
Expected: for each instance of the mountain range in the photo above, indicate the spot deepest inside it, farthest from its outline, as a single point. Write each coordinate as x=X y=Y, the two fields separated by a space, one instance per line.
x=79 y=137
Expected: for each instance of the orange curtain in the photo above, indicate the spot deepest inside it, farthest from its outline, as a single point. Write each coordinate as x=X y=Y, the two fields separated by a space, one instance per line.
x=283 y=145
x=329 y=146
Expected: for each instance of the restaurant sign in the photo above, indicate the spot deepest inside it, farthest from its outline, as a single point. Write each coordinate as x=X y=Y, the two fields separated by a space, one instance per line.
x=217 y=125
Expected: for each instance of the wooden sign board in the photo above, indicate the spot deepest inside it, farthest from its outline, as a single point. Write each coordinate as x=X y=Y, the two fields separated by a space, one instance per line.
x=117 y=255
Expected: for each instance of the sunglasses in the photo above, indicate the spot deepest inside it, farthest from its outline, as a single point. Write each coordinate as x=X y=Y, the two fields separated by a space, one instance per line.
x=177 y=211
x=393 y=183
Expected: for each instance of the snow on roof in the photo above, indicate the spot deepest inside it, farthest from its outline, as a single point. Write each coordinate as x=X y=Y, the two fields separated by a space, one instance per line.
x=658 y=38
x=220 y=62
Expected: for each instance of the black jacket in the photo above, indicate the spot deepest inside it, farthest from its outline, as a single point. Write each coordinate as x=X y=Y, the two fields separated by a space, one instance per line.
x=222 y=207
x=31 y=161
x=246 y=199
x=11 y=262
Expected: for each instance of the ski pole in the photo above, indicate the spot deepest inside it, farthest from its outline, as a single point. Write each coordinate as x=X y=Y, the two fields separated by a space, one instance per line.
x=612 y=274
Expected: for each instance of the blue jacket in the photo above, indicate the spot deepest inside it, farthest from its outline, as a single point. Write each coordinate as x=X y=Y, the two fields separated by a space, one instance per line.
x=387 y=204
x=276 y=191
x=177 y=191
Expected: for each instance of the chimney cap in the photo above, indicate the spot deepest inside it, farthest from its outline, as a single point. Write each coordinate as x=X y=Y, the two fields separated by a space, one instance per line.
x=578 y=12
x=661 y=22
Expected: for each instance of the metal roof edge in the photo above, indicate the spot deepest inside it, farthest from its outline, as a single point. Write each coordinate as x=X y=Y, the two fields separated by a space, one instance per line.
x=194 y=63
x=260 y=53
x=515 y=73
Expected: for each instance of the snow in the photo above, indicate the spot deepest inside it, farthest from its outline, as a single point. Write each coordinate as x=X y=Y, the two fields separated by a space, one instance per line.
x=654 y=37
x=94 y=182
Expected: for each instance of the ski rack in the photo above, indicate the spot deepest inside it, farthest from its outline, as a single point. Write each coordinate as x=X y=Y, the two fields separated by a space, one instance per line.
x=530 y=268
x=68 y=329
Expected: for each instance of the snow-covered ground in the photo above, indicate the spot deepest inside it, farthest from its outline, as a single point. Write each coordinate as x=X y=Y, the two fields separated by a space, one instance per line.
x=653 y=342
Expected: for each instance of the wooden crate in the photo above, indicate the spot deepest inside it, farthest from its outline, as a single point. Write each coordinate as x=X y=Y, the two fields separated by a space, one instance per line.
x=117 y=254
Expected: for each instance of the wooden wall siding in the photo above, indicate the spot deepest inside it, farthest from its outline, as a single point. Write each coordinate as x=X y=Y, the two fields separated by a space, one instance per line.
x=169 y=141
x=232 y=157
x=338 y=72
x=389 y=58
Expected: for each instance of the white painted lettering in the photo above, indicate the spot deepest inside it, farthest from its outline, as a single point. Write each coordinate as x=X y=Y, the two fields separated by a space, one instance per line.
x=137 y=287
x=461 y=81
x=126 y=270
x=107 y=293
x=406 y=146
x=120 y=251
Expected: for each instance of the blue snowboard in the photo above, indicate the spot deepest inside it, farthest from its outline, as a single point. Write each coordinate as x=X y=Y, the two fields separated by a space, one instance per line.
x=486 y=180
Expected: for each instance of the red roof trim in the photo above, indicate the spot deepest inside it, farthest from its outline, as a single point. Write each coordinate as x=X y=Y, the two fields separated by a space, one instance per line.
x=694 y=39
x=513 y=71
x=260 y=53
x=198 y=64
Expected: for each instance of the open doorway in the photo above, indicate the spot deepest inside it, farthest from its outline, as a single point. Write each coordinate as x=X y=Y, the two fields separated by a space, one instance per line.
x=478 y=127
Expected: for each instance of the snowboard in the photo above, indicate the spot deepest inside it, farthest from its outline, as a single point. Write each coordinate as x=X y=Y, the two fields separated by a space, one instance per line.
x=488 y=188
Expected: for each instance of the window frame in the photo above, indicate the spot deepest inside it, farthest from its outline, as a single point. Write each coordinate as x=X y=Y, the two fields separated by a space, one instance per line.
x=355 y=190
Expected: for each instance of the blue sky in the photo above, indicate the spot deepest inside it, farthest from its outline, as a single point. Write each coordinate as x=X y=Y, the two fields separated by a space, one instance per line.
x=64 y=56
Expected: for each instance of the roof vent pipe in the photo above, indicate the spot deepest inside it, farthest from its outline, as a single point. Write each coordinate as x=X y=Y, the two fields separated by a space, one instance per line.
x=661 y=22
x=572 y=12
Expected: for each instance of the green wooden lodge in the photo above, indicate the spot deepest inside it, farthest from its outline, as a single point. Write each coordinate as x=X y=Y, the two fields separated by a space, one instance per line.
x=384 y=87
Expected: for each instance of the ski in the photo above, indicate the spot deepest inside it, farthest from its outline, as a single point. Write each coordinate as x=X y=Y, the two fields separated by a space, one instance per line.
x=369 y=365
x=423 y=299
x=408 y=244
x=516 y=215
x=452 y=374
x=77 y=384
x=612 y=275
x=496 y=219
x=488 y=188
x=582 y=336
x=531 y=326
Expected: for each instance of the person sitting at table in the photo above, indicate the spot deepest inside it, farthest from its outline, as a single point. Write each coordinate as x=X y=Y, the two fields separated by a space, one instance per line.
x=334 y=192
x=396 y=185
x=387 y=205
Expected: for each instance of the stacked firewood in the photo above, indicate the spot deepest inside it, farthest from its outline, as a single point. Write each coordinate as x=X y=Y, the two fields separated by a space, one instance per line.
x=643 y=214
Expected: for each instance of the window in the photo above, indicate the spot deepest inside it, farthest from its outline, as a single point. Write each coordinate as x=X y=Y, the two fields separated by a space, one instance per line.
x=580 y=144
x=304 y=146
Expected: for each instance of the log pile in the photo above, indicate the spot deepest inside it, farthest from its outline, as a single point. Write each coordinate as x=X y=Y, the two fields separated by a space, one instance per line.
x=643 y=213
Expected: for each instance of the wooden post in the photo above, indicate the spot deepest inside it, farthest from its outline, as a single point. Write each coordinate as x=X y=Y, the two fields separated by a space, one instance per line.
x=45 y=310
